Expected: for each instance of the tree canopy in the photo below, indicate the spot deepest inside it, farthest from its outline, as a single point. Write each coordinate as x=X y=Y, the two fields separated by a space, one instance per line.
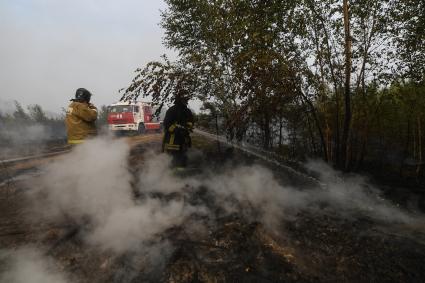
x=314 y=73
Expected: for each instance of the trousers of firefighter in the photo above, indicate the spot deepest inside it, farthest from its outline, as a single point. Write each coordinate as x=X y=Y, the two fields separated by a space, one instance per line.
x=177 y=141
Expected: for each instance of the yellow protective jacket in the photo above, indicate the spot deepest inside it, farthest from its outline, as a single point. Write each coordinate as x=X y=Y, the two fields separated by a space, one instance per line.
x=80 y=121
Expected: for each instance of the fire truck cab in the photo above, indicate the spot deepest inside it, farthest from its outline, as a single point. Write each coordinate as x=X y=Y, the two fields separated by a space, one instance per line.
x=132 y=116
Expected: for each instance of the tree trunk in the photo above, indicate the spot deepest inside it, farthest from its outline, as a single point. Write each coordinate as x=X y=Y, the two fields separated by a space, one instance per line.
x=280 y=130
x=406 y=147
x=347 y=117
x=216 y=130
x=294 y=140
x=337 y=139
x=414 y=141
x=313 y=142
x=335 y=150
x=328 y=147
x=266 y=144
x=318 y=126
x=418 y=168
x=361 y=155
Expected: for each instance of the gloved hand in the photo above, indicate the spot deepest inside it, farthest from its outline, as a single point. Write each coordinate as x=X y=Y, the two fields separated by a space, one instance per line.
x=91 y=106
x=172 y=128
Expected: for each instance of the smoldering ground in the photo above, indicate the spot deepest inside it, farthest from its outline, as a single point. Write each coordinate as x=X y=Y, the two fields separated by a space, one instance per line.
x=30 y=265
x=95 y=181
x=93 y=187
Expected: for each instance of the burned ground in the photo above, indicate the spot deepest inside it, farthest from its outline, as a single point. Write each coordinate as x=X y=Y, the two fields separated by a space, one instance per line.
x=309 y=245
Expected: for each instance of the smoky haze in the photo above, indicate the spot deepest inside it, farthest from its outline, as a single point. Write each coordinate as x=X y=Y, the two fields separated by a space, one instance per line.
x=94 y=184
x=30 y=265
x=50 y=48
x=93 y=187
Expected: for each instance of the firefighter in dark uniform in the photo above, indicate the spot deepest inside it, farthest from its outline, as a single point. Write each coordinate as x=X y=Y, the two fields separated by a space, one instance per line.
x=81 y=117
x=178 y=123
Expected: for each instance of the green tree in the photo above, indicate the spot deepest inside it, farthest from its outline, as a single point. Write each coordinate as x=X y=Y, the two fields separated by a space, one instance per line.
x=408 y=30
x=37 y=114
x=320 y=68
x=19 y=114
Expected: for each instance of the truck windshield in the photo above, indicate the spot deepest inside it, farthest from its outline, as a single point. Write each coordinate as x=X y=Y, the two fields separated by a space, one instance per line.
x=121 y=108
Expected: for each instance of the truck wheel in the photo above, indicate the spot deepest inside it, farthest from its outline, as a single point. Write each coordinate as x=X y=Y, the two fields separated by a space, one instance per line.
x=141 y=129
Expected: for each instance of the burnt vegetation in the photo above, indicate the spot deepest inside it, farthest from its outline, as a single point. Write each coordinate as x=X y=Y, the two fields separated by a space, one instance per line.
x=31 y=131
x=310 y=243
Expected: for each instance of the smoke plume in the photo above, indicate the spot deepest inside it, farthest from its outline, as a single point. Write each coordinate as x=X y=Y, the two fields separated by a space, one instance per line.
x=92 y=187
x=93 y=184
x=29 y=265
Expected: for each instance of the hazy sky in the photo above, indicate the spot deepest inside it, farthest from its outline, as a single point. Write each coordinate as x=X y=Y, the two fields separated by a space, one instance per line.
x=49 y=48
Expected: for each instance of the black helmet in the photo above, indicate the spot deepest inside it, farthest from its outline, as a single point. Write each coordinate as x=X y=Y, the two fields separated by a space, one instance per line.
x=181 y=98
x=82 y=95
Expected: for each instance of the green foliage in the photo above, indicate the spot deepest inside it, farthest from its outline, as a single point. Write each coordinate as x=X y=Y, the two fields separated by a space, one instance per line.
x=279 y=72
x=37 y=114
x=162 y=80
x=20 y=115
x=21 y=126
x=408 y=31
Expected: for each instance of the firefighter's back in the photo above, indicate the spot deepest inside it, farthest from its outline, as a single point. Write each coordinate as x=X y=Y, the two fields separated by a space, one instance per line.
x=80 y=122
x=177 y=126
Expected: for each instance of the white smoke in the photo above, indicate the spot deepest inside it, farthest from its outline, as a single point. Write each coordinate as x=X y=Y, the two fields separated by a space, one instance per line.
x=93 y=184
x=156 y=175
x=93 y=187
x=255 y=192
x=26 y=133
x=260 y=196
x=29 y=265
x=135 y=227
x=354 y=194
x=93 y=181
x=22 y=140
x=6 y=106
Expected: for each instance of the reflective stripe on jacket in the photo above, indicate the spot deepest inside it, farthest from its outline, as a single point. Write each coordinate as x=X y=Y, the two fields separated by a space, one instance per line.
x=176 y=138
x=75 y=141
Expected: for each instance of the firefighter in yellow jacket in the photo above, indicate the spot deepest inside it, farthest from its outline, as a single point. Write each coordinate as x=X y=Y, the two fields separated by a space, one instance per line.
x=81 y=116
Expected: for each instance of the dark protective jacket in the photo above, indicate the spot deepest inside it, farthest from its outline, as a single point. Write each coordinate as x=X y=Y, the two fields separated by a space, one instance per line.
x=178 y=123
x=80 y=121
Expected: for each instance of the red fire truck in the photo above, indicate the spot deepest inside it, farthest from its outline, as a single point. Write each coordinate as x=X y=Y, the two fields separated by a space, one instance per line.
x=134 y=116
